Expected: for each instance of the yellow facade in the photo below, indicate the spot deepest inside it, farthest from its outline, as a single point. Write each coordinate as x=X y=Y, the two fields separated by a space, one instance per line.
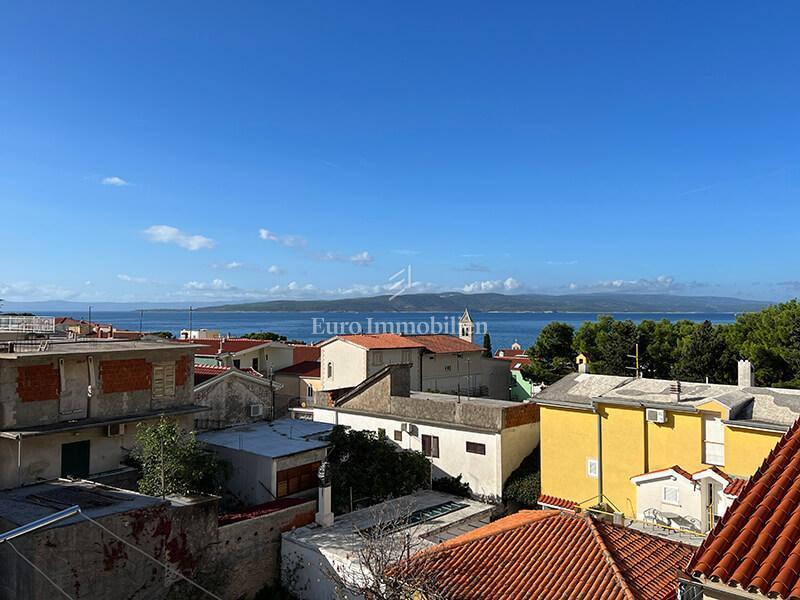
x=632 y=446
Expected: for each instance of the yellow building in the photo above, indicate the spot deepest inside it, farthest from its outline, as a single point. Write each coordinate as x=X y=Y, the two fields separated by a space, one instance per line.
x=599 y=431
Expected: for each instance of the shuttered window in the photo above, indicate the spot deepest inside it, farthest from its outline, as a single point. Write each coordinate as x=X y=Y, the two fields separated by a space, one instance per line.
x=476 y=448
x=164 y=380
x=297 y=479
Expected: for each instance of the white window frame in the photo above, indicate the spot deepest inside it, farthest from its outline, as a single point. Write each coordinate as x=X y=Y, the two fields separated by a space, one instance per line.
x=592 y=468
x=666 y=500
x=713 y=446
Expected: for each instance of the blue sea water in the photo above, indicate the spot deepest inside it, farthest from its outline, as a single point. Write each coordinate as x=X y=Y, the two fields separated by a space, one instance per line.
x=504 y=328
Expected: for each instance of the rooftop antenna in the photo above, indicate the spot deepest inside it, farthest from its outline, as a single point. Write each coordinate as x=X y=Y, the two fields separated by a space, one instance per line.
x=635 y=356
x=190 y=322
x=141 y=316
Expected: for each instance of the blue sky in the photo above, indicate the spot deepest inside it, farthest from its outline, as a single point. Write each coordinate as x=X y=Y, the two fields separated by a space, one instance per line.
x=193 y=152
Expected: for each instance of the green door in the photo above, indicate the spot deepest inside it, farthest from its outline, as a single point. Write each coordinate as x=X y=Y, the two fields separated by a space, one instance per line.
x=75 y=459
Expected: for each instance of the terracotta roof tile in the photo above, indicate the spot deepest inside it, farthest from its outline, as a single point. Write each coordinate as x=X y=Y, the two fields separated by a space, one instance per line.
x=756 y=545
x=212 y=347
x=680 y=471
x=557 y=502
x=439 y=344
x=203 y=373
x=302 y=353
x=307 y=368
x=554 y=555
x=381 y=341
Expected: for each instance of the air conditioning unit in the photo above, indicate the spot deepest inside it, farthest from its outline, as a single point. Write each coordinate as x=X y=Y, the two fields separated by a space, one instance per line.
x=256 y=410
x=115 y=430
x=656 y=415
x=409 y=428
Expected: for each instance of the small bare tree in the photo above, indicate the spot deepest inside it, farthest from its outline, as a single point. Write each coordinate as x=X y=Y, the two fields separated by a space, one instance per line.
x=379 y=568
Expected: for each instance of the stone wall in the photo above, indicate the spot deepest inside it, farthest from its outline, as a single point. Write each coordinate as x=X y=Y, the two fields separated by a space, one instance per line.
x=229 y=398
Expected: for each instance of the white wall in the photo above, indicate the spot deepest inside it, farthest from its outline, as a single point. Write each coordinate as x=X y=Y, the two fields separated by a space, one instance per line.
x=395 y=357
x=307 y=573
x=649 y=495
x=349 y=365
x=250 y=475
x=483 y=473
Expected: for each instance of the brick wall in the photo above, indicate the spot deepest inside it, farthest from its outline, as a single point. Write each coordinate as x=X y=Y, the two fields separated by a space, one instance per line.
x=522 y=414
x=182 y=370
x=38 y=382
x=127 y=375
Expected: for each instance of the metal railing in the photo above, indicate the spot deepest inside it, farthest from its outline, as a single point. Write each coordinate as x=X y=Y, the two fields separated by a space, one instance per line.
x=27 y=324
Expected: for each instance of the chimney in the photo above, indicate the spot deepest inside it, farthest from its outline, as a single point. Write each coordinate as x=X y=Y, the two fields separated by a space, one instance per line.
x=745 y=374
x=324 y=516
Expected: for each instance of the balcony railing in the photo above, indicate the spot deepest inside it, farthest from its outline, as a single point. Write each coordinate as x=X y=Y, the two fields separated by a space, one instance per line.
x=27 y=324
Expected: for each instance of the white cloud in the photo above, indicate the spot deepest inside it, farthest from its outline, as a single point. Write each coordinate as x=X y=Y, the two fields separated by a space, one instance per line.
x=662 y=283
x=215 y=285
x=234 y=265
x=25 y=291
x=292 y=241
x=115 y=181
x=166 y=234
x=131 y=279
x=275 y=270
x=496 y=285
x=363 y=258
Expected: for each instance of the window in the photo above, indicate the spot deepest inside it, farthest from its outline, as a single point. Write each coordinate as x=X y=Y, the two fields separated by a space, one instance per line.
x=476 y=448
x=237 y=363
x=255 y=363
x=430 y=446
x=398 y=435
x=298 y=479
x=670 y=495
x=405 y=356
x=330 y=370
x=448 y=367
x=377 y=358
x=164 y=381
x=309 y=392
x=592 y=468
x=713 y=440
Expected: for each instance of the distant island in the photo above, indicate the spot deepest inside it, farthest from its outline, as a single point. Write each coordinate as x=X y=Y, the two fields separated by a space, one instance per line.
x=456 y=301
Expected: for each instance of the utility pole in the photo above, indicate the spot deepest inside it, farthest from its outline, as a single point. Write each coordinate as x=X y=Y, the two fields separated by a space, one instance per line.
x=141 y=317
x=90 y=315
x=190 y=322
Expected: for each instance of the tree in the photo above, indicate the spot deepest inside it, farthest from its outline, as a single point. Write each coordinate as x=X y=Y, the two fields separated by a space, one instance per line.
x=702 y=356
x=524 y=484
x=487 y=344
x=171 y=461
x=265 y=335
x=167 y=335
x=368 y=468
x=551 y=355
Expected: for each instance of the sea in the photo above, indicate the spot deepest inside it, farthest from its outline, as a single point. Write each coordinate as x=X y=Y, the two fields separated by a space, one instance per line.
x=503 y=328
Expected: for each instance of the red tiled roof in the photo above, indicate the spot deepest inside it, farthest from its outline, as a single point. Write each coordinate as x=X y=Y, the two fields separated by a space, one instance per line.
x=735 y=487
x=203 y=373
x=756 y=545
x=550 y=554
x=439 y=344
x=305 y=353
x=676 y=468
x=307 y=368
x=260 y=510
x=509 y=353
x=381 y=341
x=556 y=501
x=518 y=363
x=212 y=347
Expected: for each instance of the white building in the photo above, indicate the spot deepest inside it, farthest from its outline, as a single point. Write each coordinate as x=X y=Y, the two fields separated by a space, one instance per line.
x=312 y=557
x=676 y=498
x=481 y=439
x=439 y=363
x=270 y=460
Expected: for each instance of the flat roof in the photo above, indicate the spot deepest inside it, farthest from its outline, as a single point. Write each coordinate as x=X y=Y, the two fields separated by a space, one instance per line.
x=58 y=348
x=23 y=505
x=272 y=439
x=342 y=540
x=463 y=398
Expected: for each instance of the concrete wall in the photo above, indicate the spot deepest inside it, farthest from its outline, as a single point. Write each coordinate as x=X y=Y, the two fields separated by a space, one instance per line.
x=41 y=455
x=233 y=561
x=229 y=397
x=270 y=358
x=34 y=389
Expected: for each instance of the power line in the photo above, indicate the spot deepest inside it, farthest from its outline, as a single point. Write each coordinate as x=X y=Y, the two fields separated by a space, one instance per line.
x=154 y=559
x=38 y=570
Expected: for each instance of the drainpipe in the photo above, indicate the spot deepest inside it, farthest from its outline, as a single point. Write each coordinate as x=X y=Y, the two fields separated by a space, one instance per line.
x=19 y=459
x=599 y=456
